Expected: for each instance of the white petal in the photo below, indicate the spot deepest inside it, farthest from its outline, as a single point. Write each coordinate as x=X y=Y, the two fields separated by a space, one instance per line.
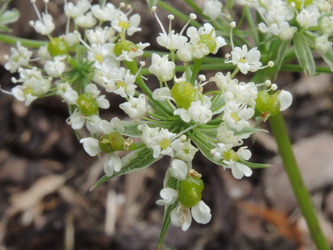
x=90 y=145
x=112 y=164
x=181 y=217
x=239 y=170
x=285 y=99
x=178 y=169
x=168 y=196
x=201 y=213
x=162 y=94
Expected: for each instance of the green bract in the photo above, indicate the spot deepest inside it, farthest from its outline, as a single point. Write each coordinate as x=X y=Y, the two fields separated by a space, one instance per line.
x=87 y=104
x=190 y=191
x=57 y=46
x=184 y=94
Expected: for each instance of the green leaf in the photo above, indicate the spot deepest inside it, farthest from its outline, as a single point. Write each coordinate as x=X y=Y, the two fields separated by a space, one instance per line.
x=174 y=184
x=131 y=128
x=304 y=54
x=218 y=103
x=254 y=165
x=249 y=130
x=151 y=3
x=281 y=55
x=9 y=16
x=328 y=57
x=133 y=161
x=205 y=147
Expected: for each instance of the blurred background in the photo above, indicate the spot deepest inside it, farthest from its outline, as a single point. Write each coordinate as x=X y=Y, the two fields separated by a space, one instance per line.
x=45 y=174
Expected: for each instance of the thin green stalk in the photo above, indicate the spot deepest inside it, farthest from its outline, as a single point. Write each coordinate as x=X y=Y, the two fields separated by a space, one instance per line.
x=281 y=136
x=25 y=42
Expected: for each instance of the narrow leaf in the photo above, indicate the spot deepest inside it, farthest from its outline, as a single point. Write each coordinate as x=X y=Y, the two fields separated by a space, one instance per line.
x=304 y=54
x=133 y=161
x=175 y=184
x=328 y=57
x=255 y=165
x=10 y=16
x=281 y=55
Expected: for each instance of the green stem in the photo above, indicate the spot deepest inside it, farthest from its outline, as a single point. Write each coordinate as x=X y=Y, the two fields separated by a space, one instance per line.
x=281 y=136
x=177 y=13
x=133 y=67
x=25 y=42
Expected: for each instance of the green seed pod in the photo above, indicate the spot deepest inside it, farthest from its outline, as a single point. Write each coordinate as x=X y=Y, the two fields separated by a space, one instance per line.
x=87 y=104
x=184 y=94
x=266 y=103
x=124 y=45
x=117 y=141
x=57 y=46
x=105 y=145
x=111 y=142
x=190 y=191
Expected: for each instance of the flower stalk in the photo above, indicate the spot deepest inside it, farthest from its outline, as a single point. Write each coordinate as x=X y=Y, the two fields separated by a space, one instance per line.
x=295 y=178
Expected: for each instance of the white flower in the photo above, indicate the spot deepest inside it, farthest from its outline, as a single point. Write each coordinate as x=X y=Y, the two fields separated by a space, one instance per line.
x=168 y=195
x=45 y=25
x=238 y=169
x=135 y=107
x=100 y=35
x=246 y=60
x=122 y=24
x=107 y=13
x=171 y=41
x=119 y=81
x=322 y=44
x=72 y=38
x=18 y=57
x=285 y=99
x=212 y=8
x=129 y=55
x=162 y=94
x=79 y=9
x=186 y=152
x=85 y=21
x=178 y=169
x=56 y=67
x=112 y=164
x=67 y=93
x=181 y=216
x=185 y=53
x=200 y=111
x=308 y=17
x=162 y=67
x=90 y=145
x=237 y=116
x=198 y=40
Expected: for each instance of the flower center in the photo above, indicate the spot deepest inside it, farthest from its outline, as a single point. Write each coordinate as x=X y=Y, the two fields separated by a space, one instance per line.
x=165 y=143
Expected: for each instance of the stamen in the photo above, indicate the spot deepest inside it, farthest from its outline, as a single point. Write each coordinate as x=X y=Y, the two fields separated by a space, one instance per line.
x=232 y=25
x=36 y=10
x=158 y=20
x=170 y=17
x=46 y=3
x=5 y=91
x=192 y=17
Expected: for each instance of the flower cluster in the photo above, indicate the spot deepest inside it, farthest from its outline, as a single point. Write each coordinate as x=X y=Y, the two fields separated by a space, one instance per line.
x=286 y=18
x=176 y=119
